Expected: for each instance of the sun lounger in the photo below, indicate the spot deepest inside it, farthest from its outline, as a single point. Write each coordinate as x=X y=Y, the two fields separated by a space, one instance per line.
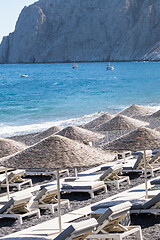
x=47 y=199
x=19 y=207
x=138 y=165
x=45 y=172
x=78 y=231
x=155 y=159
x=15 y=179
x=109 y=226
x=150 y=206
x=89 y=187
x=110 y=176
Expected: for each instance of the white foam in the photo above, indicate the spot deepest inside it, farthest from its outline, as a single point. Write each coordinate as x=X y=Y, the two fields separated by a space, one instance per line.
x=8 y=131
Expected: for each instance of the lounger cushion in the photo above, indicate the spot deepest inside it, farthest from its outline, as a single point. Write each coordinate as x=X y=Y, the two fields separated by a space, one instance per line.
x=78 y=228
x=152 y=202
x=49 y=189
x=110 y=170
x=114 y=211
x=137 y=204
x=155 y=181
x=82 y=185
x=140 y=156
x=106 y=204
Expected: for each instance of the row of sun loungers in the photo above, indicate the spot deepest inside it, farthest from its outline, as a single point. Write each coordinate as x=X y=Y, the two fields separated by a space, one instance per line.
x=22 y=206
x=19 y=207
x=107 y=226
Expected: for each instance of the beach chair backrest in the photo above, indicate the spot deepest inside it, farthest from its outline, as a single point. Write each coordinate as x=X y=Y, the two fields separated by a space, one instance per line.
x=153 y=202
x=111 y=172
x=7 y=206
x=155 y=158
x=78 y=231
x=14 y=176
x=139 y=159
x=47 y=195
x=113 y=215
x=16 y=205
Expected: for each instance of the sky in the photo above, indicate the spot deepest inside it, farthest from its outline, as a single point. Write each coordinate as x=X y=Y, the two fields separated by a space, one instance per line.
x=9 y=12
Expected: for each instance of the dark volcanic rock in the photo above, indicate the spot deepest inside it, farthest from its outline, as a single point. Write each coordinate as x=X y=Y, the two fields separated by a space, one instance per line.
x=90 y=30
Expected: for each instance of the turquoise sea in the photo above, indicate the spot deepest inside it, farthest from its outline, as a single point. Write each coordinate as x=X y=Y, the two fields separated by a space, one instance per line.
x=57 y=94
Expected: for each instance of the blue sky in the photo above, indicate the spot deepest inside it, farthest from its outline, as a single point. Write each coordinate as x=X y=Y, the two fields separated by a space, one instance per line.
x=9 y=12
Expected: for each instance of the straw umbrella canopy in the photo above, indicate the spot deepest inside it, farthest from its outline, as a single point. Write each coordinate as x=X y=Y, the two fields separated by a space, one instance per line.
x=80 y=134
x=140 y=139
x=56 y=152
x=155 y=114
x=8 y=147
x=121 y=123
x=137 y=110
x=94 y=123
x=33 y=138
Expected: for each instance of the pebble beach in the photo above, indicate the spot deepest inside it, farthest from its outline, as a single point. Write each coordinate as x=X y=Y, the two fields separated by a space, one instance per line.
x=30 y=143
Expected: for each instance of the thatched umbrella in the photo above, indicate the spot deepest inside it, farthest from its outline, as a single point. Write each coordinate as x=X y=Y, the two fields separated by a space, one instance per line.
x=155 y=114
x=94 y=123
x=80 y=134
x=121 y=123
x=139 y=139
x=32 y=138
x=57 y=152
x=8 y=147
x=137 y=110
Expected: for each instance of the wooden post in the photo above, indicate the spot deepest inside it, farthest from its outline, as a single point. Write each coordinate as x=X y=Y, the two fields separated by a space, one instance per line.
x=145 y=174
x=7 y=183
x=76 y=173
x=59 y=202
x=107 y=137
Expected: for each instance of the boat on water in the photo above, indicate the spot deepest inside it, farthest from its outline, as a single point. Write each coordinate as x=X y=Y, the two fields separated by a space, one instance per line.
x=110 y=67
x=24 y=75
x=75 y=65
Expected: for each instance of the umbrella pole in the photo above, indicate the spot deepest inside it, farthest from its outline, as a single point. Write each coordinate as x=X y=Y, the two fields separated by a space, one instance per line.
x=76 y=173
x=124 y=157
x=121 y=133
x=107 y=137
x=145 y=174
x=7 y=183
x=59 y=202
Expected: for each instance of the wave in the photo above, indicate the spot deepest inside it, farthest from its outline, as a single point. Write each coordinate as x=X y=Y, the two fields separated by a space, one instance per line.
x=8 y=130
x=11 y=130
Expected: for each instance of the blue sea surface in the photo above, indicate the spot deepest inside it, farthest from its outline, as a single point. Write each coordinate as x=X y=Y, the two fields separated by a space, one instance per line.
x=57 y=94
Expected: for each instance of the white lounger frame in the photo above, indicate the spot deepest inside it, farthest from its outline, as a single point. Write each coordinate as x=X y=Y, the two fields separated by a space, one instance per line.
x=53 y=206
x=118 y=181
x=119 y=236
x=21 y=216
x=18 y=185
x=90 y=191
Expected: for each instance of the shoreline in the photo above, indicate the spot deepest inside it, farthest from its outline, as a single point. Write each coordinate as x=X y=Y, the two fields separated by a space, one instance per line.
x=105 y=61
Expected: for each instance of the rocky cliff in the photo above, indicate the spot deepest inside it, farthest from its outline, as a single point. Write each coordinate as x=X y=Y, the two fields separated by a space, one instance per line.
x=84 y=30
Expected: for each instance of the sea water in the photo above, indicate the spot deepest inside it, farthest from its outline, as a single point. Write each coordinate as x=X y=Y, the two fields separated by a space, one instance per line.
x=57 y=94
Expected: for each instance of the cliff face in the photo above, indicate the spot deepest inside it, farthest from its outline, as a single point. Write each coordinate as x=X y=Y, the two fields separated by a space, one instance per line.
x=84 y=30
